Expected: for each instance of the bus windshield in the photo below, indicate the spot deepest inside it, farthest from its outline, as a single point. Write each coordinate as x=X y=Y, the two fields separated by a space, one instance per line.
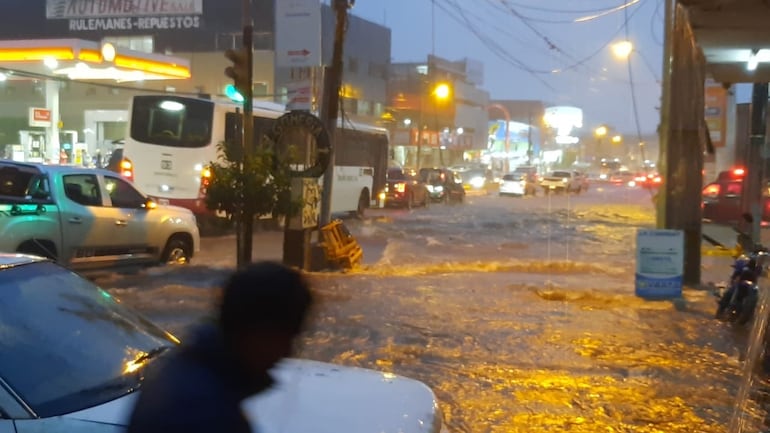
x=171 y=121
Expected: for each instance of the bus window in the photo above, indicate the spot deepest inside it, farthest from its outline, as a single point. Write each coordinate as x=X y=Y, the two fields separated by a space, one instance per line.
x=171 y=121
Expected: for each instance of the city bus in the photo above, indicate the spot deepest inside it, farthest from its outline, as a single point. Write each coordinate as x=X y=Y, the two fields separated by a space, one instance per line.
x=171 y=139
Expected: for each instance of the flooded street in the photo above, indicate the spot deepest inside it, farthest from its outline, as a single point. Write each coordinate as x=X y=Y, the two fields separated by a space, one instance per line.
x=519 y=313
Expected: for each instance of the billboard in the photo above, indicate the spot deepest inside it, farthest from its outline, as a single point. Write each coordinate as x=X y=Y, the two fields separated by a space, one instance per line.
x=100 y=15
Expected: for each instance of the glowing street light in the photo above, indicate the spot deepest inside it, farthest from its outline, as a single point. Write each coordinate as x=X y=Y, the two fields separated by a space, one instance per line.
x=442 y=91
x=622 y=49
x=601 y=131
x=617 y=139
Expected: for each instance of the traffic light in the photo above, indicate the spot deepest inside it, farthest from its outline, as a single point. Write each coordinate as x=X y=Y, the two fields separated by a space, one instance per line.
x=240 y=71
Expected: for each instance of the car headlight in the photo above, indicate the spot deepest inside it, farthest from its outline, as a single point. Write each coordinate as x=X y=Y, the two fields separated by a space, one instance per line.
x=439 y=188
x=477 y=182
x=430 y=188
x=565 y=180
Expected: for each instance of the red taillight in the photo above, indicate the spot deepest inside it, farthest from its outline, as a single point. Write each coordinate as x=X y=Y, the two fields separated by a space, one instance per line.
x=738 y=172
x=127 y=169
x=711 y=190
x=400 y=187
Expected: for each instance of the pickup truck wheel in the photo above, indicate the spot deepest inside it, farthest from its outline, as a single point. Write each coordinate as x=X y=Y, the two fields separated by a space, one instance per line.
x=178 y=251
x=38 y=248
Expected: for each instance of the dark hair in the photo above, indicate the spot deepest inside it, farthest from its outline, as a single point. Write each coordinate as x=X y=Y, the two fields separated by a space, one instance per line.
x=265 y=296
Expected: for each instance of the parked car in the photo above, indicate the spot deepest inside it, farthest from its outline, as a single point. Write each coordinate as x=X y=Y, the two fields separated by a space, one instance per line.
x=74 y=359
x=518 y=184
x=560 y=181
x=89 y=218
x=403 y=188
x=443 y=184
x=722 y=199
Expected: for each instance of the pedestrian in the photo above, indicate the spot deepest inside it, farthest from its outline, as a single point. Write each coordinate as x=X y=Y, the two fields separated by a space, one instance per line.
x=199 y=386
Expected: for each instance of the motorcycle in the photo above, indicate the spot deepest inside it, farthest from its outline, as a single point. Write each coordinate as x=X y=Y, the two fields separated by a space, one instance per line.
x=738 y=299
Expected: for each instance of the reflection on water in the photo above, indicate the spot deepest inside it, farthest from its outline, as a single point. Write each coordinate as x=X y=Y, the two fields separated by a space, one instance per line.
x=466 y=299
x=749 y=412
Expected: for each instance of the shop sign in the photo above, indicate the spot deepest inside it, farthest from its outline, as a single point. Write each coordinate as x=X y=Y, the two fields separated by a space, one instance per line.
x=716 y=112
x=39 y=117
x=101 y=15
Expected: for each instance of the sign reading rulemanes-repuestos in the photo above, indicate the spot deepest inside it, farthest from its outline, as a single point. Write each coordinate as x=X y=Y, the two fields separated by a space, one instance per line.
x=96 y=15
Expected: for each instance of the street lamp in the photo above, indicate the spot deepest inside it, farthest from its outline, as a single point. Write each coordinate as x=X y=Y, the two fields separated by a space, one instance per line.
x=600 y=133
x=439 y=92
x=617 y=139
x=622 y=49
x=442 y=91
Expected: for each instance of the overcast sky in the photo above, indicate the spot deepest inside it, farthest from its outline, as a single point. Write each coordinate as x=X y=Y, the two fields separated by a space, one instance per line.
x=520 y=41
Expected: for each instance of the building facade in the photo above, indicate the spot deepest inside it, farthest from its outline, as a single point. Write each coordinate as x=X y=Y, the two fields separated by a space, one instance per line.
x=437 y=111
x=199 y=31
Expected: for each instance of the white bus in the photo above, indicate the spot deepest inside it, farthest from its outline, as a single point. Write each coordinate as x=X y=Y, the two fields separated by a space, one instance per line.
x=172 y=138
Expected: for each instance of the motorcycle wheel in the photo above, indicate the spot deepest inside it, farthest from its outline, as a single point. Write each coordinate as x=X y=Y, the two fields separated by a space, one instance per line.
x=746 y=312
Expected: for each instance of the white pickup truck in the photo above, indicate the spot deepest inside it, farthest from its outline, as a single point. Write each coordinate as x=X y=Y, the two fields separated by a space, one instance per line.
x=88 y=218
x=560 y=181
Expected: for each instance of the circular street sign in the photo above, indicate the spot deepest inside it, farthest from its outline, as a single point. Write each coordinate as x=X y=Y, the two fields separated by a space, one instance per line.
x=290 y=134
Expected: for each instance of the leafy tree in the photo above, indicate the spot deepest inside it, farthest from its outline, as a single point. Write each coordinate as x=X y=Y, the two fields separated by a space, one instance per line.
x=245 y=188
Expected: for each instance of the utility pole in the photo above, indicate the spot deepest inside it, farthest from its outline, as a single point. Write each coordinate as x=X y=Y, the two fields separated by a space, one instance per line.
x=664 y=165
x=331 y=105
x=242 y=73
x=752 y=187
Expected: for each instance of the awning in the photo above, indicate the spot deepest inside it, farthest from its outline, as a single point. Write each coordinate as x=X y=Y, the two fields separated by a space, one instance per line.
x=732 y=33
x=78 y=59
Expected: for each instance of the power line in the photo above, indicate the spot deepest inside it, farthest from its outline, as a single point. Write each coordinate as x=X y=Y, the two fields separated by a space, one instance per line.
x=560 y=11
x=490 y=44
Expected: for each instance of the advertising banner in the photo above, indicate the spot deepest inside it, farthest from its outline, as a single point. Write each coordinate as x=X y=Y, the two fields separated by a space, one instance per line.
x=297 y=33
x=659 y=263
x=716 y=112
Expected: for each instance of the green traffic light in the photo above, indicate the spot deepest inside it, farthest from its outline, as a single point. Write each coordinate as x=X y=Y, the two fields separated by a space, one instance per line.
x=233 y=94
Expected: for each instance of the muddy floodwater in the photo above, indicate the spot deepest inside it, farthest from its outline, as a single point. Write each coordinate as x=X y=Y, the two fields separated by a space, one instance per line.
x=519 y=313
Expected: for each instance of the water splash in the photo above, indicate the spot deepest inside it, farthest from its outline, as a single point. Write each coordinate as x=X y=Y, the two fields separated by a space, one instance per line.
x=747 y=415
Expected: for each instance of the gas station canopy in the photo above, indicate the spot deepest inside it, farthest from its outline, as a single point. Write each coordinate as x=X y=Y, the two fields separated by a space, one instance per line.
x=78 y=59
x=734 y=36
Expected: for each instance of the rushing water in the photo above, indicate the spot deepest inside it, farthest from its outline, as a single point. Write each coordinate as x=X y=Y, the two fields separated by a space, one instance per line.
x=520 y=314
x=748 y=412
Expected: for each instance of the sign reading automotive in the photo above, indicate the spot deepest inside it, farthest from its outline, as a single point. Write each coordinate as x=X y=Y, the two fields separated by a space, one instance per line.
x=95 y=15
x=659 y=263
x=297 y=33
x=39 y=117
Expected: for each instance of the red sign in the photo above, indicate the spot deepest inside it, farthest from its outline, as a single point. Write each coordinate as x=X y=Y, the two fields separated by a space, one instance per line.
x=41 y=115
